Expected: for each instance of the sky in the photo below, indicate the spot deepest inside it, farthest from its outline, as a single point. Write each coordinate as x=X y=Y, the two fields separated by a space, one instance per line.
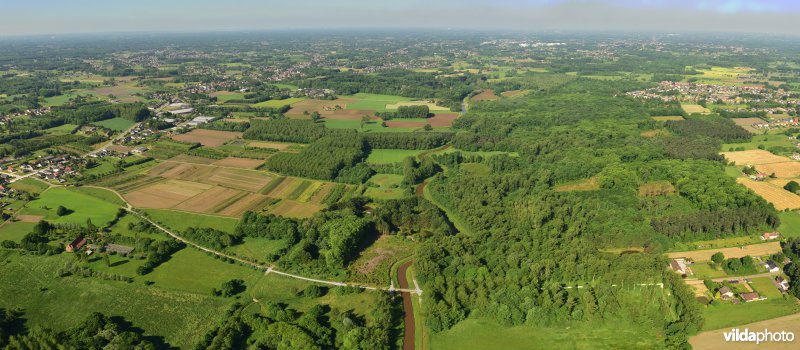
x=35 y=17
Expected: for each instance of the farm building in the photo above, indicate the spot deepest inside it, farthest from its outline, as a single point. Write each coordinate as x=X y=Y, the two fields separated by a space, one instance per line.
x=782 y=284
x=182 y=111
x=76 y=245
x=770 y=235
x=725 y=293
x=679 y=266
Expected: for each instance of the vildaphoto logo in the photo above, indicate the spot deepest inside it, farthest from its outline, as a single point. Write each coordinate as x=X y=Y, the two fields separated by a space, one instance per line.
x=746 y=335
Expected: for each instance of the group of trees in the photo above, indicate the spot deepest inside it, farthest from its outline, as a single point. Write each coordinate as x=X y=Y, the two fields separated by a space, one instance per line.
x=414 y=111
x=98 y=331
x=320 y=327
x=210 y=237
x=407 y=140
x=323 y=159
x=720 y=128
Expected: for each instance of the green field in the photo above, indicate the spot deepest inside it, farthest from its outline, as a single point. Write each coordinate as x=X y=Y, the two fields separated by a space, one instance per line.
x=790 y=224
x=726 y=315
x=180 y=221
x=30 y=282
x=58 y=100
x=101 y=193
x=475 y=333
x=356 y=125
x=278 y=103
x=389 y=187
x=30 y=185
x=767 y=141
x=375 y=102
x=257 y=248
x=65 y=129
x=14 y=231
x=386 y=156
x=116 y=124
x=83 y=206
x=703 y=270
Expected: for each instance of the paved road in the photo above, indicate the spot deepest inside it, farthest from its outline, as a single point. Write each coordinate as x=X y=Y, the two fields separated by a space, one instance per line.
x=111 y=141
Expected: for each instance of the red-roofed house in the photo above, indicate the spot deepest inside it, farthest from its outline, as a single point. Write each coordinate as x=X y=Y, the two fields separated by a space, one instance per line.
x=76 y=245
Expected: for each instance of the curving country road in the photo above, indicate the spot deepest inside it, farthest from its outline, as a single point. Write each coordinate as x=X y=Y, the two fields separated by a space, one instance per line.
x=267 y=268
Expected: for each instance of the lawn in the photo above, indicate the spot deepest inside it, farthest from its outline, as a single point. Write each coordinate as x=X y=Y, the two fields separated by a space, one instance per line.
x=30 y=282
x=477 y=333
x=116 y=124
x=278 y=103
x=790 y=223
x=386 y=156
x=14 y=231
x=703 y=270
x=375 y=102
x=30 y=185
x=726 y=315
x=180 y=221
x=83 y=207
x=65 y=129
x=765 y=287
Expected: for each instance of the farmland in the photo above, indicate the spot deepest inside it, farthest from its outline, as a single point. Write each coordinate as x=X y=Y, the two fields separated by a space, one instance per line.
x=375 y=102
x=714 y=340
x=211 y=138
x=737 y=252
x=694 y=109
x=779 y=197
x=222 y=190
x=753 y=157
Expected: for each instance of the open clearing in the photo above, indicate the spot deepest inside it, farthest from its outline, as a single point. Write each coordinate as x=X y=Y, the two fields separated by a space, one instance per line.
x=321 y=106
x=779 y=197
x=753 y=157
x=431 y=106
x=374 y=102
x=294 y=209
x=736 y=252
x=513 y=93
x=244 y=163
x=116 y=124
x=691 y=108
x=667 y=118
x=210 y=138
x=280 y=146
x=713 y=340
x=485 y=95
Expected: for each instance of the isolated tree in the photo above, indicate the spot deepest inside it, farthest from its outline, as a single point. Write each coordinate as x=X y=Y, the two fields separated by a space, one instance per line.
x=428 y=127
x=315 y=116
x=61 y=211
x=106 y=259
x=718 y=258
x=364 y=120
x=792 y=186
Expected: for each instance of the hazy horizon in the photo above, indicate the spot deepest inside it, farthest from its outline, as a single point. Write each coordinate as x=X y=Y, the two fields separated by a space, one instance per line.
x=47 y=17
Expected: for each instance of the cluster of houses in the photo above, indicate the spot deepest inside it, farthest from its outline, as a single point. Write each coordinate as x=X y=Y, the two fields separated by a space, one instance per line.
x=726 y=293
x=727 y=94
x=137 y=135
x=51 y=167
x=319 y=94
x=777 y=123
